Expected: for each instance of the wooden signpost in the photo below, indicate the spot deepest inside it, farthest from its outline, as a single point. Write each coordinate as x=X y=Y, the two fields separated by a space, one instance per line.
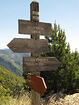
x=35 y=46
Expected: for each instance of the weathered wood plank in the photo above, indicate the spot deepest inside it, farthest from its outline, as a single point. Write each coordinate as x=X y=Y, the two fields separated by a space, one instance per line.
x=20 y=45
x=40 y=64
x=29 y=27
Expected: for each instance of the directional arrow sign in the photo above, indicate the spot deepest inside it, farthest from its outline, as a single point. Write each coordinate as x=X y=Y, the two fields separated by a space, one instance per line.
x=20 y=45
x=40 y=64
x=29 y=27
x=36 y=83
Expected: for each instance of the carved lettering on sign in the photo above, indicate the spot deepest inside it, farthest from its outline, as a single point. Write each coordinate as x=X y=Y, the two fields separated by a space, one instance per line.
x=20 y=45
x=28 y=27
x=40 y=64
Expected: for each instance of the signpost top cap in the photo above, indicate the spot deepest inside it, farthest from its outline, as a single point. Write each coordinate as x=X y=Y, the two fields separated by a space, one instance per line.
x=34 y=0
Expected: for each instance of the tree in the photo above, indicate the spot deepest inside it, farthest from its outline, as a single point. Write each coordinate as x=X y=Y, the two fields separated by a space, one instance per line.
x=64 y=78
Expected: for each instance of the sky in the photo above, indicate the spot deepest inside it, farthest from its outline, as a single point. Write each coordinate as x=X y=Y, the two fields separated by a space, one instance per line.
x=64 y=12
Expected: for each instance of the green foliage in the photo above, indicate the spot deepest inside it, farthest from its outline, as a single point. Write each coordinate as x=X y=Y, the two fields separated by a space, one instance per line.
x=10 y=84
x=66 y=78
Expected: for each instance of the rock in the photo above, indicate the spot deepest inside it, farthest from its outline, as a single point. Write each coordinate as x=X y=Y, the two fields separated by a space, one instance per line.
x=63 y=99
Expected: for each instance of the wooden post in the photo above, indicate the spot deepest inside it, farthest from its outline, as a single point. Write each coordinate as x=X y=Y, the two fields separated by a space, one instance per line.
x=34 y=16
x=35 y=97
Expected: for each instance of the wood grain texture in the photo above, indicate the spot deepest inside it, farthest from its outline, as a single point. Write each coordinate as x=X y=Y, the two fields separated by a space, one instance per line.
x=34 y=6
x=20 y=45
x=40 y=64
x=30 y=27
x=34 y=11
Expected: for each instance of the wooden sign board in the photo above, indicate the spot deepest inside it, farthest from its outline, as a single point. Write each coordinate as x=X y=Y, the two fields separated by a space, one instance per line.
x=29 y=27
x=20 y=45
x=36 y=83
x=40 y=64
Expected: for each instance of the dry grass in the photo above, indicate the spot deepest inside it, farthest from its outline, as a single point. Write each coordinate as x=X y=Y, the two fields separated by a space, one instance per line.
x=22 y=100
x=55 y=99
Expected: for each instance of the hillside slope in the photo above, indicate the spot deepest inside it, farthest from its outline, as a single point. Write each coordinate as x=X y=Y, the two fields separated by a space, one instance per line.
x=10 y=84
x=12 y=61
